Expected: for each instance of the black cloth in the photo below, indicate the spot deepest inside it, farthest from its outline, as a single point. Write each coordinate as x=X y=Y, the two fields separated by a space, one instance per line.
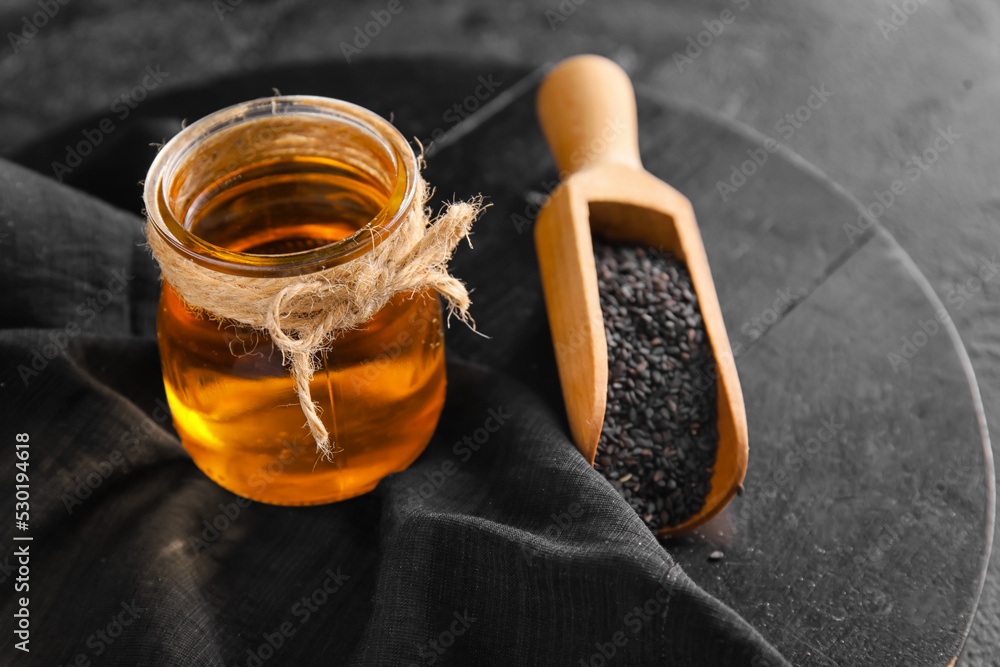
x=517 y=553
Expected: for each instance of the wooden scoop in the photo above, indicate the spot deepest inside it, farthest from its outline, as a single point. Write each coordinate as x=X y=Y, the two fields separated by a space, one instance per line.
x=586 y=106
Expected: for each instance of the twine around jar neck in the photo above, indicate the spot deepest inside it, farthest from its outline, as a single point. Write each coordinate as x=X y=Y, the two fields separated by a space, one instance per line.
x=304 y=313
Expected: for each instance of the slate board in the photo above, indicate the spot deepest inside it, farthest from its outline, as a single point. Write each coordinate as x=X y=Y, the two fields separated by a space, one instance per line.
x=868 y=546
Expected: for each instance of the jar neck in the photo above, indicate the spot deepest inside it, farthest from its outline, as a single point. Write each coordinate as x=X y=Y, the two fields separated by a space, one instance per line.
x=255 y=165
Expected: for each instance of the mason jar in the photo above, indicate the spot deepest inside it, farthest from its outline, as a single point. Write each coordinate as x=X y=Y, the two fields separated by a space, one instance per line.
x=281 y=187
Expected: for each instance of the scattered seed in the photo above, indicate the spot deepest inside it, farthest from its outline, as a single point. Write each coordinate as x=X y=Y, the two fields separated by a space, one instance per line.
x=716 y=555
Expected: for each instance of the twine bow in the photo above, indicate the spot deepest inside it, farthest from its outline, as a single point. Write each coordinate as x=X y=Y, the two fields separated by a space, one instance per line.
x=304 y=314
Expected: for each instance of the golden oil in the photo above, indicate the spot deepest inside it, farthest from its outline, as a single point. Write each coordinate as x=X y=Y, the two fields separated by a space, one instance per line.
x=380 y=387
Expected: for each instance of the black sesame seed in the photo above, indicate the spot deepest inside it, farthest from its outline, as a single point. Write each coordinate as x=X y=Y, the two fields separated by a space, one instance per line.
x=659 y=440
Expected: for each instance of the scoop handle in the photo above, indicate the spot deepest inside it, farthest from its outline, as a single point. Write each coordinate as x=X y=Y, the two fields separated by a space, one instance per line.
x=586 y=106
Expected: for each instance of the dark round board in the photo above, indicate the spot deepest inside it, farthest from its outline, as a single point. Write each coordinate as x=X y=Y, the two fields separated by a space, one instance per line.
x=863 y=534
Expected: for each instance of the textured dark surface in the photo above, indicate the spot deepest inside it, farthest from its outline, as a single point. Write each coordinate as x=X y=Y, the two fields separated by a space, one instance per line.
x=862 y=532
x=891 y=90
x=804 y=545
x=499 y=546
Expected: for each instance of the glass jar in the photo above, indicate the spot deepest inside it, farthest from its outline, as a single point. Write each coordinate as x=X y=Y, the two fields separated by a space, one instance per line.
x=280 y=187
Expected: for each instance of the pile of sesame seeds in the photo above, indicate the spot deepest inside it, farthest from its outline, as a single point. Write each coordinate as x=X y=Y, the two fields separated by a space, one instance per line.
x=659 y=439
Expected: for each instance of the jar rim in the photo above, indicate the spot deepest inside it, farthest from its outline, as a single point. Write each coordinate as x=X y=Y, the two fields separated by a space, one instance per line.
x=168 y=159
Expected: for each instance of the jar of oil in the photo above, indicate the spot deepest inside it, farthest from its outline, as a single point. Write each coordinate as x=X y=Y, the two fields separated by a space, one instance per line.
x=280 y=187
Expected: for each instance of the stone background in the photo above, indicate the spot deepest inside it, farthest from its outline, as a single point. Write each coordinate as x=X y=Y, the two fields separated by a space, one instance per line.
x=892 y=91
